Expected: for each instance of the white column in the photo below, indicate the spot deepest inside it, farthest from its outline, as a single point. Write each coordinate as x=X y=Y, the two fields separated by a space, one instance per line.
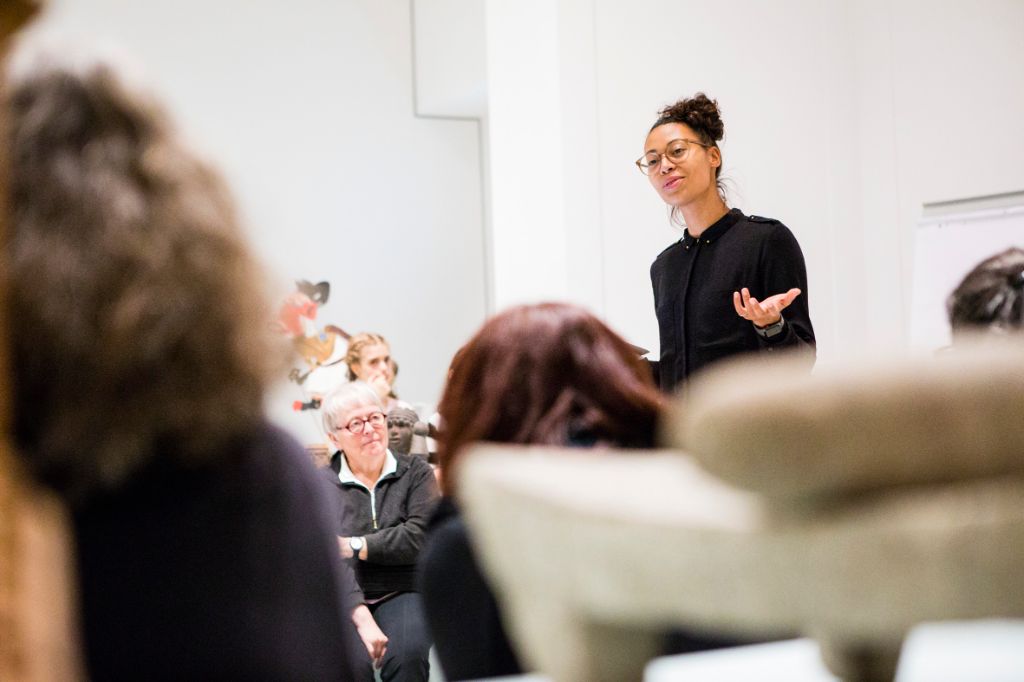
x=581 y=159
x=542 y=143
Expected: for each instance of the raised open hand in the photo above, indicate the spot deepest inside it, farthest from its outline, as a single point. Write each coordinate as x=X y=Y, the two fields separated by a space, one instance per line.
x=762 y=313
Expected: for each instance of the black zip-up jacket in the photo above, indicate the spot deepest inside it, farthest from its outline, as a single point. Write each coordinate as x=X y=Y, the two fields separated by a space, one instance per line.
x=693 y=282
x=394 y=527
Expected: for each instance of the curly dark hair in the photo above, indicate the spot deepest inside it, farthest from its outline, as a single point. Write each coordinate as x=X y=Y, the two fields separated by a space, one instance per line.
x=991 y=296
x=549 y=373
x=137 y=317
x=702 y=115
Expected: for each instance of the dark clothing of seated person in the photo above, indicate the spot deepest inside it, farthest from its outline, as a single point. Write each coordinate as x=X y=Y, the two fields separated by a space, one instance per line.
x=464 y=618
x=227 y=571
x=204 y=545
x=542 y=374
x=384 y=502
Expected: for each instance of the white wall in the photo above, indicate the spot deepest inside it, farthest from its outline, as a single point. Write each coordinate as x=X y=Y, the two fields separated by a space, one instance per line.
x=940 y=107
x=958 y=75
x=842 y=118
x=450 y=50
x=308 y=108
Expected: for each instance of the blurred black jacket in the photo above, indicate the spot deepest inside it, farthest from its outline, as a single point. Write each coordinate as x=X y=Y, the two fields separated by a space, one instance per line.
x=225 y=571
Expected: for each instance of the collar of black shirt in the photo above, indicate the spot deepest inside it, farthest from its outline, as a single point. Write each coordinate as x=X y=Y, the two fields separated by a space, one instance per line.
x=716 y=230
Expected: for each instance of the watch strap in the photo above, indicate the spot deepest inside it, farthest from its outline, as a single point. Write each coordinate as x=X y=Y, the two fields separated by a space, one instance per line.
x=774 y=329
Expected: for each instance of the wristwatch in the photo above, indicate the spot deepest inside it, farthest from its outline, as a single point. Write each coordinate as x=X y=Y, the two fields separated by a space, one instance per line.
x=774 y=329
x=356 y=544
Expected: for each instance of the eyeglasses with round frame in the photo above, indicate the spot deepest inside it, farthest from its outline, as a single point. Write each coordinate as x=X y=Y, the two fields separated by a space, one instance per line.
x=358 y=425
x=676 y=151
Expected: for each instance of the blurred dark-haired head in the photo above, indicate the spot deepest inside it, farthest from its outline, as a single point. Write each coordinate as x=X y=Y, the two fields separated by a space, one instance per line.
x=550 y=373
x=991 y=297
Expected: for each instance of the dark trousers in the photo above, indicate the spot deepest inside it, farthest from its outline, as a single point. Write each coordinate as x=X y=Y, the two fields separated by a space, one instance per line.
x=401 y=619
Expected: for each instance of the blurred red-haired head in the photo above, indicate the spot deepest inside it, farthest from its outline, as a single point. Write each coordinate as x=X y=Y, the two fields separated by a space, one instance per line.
x=550 y=373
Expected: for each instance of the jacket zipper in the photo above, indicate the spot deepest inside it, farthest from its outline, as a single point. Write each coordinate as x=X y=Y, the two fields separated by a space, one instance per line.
x=373 y=506
x=373 y=499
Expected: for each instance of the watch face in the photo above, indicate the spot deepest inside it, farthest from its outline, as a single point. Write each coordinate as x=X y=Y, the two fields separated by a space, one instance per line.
x=356 y=544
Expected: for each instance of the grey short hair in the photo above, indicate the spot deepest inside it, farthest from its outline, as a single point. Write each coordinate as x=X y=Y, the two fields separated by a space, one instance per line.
x=344 y=399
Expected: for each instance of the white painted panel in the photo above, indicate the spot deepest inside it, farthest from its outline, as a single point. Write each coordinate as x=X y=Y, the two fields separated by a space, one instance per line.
x=451 y=57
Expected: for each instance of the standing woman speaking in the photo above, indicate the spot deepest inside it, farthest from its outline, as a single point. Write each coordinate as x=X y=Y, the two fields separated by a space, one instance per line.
x=733 y=283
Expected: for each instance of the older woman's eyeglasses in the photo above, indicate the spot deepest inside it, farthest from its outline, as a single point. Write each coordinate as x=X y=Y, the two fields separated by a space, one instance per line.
x=357 y=425
x=676 y=151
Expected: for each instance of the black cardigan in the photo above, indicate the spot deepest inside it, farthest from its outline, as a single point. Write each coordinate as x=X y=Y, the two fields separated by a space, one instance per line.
x=694 y=279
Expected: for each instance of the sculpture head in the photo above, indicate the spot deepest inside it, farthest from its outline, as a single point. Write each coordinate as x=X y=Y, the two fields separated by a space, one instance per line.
x=401 y=421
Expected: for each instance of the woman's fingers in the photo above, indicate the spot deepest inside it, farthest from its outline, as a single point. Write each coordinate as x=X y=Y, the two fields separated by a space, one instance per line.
x=783 y=300
x=738 y=305
x=382 y=649
x=745 y=304
x=763 y=312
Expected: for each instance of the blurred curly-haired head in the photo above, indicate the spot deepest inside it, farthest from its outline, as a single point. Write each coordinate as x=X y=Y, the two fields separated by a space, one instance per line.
x=991 y=296
x=702 y=115
x=136 y=314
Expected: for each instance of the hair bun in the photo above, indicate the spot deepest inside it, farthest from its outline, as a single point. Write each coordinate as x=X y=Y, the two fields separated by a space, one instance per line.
x=700 y=112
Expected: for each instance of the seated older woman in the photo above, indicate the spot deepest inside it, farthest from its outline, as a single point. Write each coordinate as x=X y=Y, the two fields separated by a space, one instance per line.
x=386 y=500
